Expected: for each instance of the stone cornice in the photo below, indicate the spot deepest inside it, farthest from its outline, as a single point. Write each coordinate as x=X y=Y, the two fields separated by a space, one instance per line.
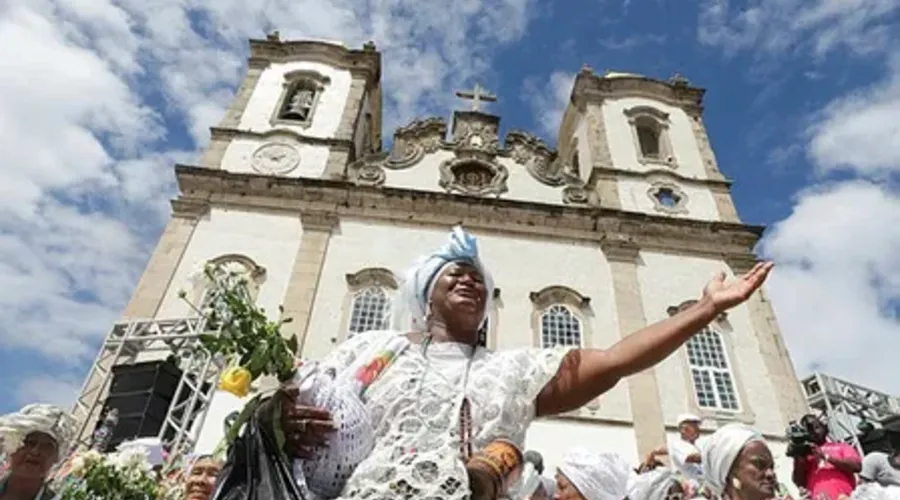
x=404 y=206
x=592 y=87
x=602 y=173
x=232 y=133
x=366 y=62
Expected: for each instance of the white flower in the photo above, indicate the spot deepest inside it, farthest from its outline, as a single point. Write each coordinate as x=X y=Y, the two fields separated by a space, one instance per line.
x=92 y=457
x=79 y=465
x=131 y=458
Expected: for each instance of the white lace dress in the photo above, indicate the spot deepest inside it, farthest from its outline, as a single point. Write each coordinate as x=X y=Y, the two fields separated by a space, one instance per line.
x=415 y=408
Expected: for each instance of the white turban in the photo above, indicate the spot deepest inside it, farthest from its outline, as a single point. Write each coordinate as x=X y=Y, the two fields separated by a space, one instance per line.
x=653 y=485
x=415 y=292
x=720 y=451
x=49 y=419
x=597 y=476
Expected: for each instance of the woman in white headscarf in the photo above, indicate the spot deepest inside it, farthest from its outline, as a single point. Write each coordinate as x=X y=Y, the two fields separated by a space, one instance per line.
x=435 y=397
x=588 y=475
x=34 y=437
x=656 y=484
x=738 y=465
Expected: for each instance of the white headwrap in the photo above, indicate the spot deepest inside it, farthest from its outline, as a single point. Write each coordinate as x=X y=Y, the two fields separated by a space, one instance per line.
x=598 y=476
x=411 y=305
x=652 y=485
x=48 y=419
x=720 y=451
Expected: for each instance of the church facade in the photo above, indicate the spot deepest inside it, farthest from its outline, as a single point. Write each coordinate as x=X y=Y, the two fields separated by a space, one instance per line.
x=617 y=227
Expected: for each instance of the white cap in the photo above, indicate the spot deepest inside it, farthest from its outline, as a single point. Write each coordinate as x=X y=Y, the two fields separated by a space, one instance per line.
x=688 y=417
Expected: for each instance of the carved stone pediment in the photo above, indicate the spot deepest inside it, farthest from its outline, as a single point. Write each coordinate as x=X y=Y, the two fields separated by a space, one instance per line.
x=473 y=176
x=541 y=162
x=368 y=170
x=475 y=134
x=415 y=140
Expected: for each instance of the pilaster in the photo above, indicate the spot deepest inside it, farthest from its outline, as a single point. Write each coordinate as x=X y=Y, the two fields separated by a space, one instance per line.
x=606 y=188
x=706 y=153
x=643 y=388
x=724 y=204
x=307 y=270
x=233 y=115
x=791 y=402
x=152 y=287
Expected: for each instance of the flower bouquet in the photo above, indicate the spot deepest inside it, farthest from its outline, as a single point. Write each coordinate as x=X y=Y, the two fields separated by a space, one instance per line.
x=252 y=344
x=126 y=475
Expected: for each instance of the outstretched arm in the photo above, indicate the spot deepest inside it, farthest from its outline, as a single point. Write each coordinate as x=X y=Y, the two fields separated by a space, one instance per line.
x=587 y=373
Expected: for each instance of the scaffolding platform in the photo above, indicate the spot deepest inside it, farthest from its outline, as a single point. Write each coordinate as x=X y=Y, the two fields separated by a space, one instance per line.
x=130 y=342
x=845 y=405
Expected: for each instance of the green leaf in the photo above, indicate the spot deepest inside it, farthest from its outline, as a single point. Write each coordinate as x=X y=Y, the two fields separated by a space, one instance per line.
x=258 y=360
x=292 y=344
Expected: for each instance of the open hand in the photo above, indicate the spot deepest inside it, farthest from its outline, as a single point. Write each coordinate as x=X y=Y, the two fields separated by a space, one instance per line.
x=724 y=295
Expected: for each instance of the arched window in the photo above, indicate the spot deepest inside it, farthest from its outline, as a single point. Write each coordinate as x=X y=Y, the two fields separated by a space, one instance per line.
x=370 y=310
x=369 y=304
x=560 y=327
x=235 y=271
x=648 y=138
x=650 y=128
x=710 y=372
x=559 y=317
x=300 y=97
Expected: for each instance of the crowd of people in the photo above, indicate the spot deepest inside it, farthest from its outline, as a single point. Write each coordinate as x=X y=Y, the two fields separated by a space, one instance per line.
x=443 y=411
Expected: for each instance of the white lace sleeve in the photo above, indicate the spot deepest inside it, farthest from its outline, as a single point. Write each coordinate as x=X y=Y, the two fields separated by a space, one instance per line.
x=345 y=355
x=516 y=378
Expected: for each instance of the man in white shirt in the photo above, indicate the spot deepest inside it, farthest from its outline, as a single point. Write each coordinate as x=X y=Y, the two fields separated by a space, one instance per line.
x=685 y=452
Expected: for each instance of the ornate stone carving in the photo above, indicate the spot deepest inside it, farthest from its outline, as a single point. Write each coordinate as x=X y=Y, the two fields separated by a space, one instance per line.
x=575 y=194
x=415 y=140
x=473 y=176
x=369 y=170
x=540 y=161
x=275 y=158
x=558 y=294
x=373 y=276
x=668 y=198
x=475 y=134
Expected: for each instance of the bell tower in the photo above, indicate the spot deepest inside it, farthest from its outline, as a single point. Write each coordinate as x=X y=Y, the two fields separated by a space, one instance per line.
x=643 y=147
x=304 y=109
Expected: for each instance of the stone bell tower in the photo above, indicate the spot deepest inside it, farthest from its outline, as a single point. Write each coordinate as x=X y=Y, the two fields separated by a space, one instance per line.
x=304 y=109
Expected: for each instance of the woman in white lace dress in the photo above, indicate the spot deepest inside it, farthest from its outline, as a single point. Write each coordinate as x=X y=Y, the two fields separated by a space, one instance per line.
x=443 y=397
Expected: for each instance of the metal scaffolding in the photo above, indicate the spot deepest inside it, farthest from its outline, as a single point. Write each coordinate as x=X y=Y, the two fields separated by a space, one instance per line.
x=844 y=405
x=147 y=340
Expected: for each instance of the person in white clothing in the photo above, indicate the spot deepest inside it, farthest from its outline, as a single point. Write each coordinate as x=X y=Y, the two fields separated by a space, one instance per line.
x=685 y=451
x=441 y=397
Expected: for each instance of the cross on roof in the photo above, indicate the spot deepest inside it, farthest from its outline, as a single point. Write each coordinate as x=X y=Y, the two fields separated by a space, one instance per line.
x=477 y=96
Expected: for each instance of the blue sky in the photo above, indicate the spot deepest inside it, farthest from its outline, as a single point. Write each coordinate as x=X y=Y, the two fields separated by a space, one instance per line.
x=102 y=97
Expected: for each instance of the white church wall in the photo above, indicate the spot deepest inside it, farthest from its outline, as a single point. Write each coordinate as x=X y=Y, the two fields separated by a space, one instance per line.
x=239 y=155
x=425 y=176
x=668 y=280
x=622 y=145
x=270 y=240
x=552 y=438
x=634 y=198
x=265 y=97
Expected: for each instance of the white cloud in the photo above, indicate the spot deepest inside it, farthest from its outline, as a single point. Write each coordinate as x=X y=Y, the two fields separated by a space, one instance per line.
x=861 y=131
x=775 y=27
x=838 y=268
x=49 y=390
x=92 y=87
x=548 y=101
x=838 y=280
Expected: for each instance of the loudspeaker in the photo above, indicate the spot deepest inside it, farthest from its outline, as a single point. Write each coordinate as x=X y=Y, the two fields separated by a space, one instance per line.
x=884 y=440
x=142 y=393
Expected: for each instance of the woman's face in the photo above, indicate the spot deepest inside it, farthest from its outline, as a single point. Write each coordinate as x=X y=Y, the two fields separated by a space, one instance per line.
x=565 y=490
x=459 y=292
x=202 y=478
x=37 y=455
x=753 y=475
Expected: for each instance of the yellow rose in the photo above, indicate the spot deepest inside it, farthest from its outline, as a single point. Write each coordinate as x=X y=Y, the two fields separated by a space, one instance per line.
x=236 y=380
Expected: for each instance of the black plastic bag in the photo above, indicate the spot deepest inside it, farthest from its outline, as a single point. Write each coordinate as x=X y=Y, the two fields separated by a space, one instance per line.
x=256 y=469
